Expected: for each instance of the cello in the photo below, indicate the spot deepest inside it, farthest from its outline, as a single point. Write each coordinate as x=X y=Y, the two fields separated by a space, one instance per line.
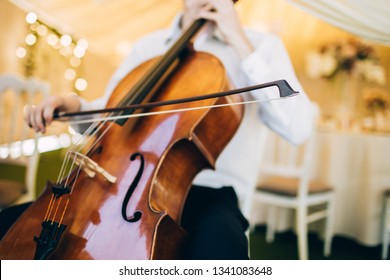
x=125 y=198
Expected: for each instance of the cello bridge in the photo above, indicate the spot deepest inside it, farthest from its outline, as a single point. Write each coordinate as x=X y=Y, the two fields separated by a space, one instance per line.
x=90 y=167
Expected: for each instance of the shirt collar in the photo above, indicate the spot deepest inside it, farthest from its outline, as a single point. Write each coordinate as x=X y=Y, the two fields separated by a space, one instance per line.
x=175 y=31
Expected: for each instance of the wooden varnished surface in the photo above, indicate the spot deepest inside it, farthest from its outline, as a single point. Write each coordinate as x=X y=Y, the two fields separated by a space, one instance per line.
x=175 y=148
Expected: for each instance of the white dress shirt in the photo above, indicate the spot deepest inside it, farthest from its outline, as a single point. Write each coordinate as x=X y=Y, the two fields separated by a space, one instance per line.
x=292 y=118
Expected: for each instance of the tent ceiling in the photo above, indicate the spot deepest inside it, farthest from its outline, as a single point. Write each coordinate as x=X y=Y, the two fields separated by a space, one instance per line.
x=111 y=26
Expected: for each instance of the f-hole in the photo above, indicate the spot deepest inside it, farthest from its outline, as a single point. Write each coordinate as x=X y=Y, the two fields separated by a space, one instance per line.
x=137 y=214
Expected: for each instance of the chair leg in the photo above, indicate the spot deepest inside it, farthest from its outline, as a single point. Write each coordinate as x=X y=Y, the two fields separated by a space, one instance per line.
x=248 y=237
x=329 y=229
x=386 y=228
x=301 y=220
x=385 y=245
x=271 y=223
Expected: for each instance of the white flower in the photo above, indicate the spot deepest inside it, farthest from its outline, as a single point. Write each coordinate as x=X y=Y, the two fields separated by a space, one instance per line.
x=351 y=57
x=319 y=65
x=329 y=65
x=313 y=65
x=376 y=74
x=371 y=71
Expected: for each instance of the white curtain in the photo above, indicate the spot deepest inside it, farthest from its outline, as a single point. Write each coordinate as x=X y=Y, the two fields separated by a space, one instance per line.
x=368 y=19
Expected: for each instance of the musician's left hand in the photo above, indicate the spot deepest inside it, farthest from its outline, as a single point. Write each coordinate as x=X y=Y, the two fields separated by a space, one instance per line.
x=224 y=15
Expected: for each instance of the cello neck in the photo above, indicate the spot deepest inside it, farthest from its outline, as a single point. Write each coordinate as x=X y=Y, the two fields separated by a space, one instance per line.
x=142 y=90
x=145 y=87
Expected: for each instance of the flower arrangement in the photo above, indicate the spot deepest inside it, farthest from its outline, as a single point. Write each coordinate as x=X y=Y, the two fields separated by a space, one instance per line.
x=350 y=56
x=376 y=100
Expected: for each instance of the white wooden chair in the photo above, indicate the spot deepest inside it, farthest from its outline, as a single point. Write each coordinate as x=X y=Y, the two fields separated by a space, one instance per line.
x=386 y=225
x=18 y=143
x=285 y=182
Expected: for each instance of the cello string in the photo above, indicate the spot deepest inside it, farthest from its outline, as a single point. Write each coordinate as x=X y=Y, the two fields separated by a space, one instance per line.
x=64 y=211
x=80 y=166
x=48 y=208
x=95 y=142
x=68 y=198
x=77 y=175
x=65 y=163
x=55 y=212
x=77 y=147
x=74 y=146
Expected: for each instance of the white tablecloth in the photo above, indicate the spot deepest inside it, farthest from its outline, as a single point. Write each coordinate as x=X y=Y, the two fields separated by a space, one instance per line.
x=357 y=165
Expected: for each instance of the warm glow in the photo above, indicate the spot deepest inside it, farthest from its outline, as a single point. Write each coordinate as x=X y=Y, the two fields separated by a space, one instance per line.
x=75 y=61
x=78 y=51
x=31 y=39
x=66 y=40
x=83 y=43
x=31 y=17
x=34 y=26
x=21 y=52
x=52 y=40
x=70 y=74
x=42 y=30
x=81 y=84
x=71 y=50
x=65 y=51
x=45 y=144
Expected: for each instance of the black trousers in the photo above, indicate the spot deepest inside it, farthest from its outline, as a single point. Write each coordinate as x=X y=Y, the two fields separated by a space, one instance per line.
x=9 y=215
x=214 y=223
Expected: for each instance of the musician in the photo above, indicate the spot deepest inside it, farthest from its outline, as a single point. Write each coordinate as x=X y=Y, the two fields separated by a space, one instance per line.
x=212 y=213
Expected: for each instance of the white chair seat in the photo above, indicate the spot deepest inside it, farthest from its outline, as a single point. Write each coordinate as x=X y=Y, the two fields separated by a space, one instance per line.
x=290 y=186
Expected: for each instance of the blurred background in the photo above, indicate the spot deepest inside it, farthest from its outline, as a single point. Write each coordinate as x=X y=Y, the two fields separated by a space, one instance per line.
x=75 y=45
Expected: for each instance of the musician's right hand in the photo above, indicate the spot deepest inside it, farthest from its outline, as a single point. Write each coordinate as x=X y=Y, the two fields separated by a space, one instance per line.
x=39 y=116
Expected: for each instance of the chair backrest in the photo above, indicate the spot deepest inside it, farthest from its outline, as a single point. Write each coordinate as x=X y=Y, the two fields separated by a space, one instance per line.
x=18 y=143
x=15 y=93
x=283 y=159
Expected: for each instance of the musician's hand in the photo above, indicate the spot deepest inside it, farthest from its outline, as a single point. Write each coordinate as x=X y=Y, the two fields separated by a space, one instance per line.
x=223 y=14
x=39 y=116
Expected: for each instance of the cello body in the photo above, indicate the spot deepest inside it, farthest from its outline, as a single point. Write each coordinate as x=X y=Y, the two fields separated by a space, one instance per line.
x=154 y=159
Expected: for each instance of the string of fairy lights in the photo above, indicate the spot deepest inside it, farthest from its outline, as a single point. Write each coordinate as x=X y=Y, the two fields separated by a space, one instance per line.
x=67 y=46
